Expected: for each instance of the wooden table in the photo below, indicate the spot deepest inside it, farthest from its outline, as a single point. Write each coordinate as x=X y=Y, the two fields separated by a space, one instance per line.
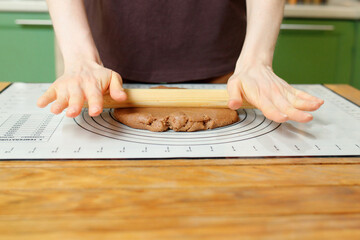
x=288 y=198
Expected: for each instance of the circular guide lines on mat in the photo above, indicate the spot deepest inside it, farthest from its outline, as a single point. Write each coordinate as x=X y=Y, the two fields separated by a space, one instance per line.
x=251 y=125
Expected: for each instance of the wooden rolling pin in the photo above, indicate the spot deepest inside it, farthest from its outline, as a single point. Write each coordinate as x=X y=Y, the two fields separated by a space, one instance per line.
x=210 y=98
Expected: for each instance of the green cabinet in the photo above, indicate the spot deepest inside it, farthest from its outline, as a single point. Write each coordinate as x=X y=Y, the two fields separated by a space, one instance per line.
x=316 y=51
x=26 y=47
x=356 y=66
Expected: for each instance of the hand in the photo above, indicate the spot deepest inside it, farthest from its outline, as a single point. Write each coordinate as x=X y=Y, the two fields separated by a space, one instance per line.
x=85 y=80
x=278 y=101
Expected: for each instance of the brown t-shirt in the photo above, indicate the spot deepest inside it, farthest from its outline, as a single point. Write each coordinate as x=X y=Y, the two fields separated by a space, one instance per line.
x=167 y=40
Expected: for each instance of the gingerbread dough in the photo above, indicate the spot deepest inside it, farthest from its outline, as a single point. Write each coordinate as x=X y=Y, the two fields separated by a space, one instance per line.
x=177 y=119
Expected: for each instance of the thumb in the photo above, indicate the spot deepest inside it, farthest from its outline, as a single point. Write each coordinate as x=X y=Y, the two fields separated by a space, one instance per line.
x=116 y=90
x=234 y=91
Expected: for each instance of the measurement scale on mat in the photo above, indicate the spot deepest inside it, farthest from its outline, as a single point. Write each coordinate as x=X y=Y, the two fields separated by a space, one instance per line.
x=27 y=132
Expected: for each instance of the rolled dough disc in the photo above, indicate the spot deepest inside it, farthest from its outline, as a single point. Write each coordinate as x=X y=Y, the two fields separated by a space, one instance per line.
x=177 y=119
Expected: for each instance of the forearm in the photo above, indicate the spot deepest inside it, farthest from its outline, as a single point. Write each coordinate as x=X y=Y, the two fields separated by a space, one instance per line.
x=72 y=30
x=263 y=24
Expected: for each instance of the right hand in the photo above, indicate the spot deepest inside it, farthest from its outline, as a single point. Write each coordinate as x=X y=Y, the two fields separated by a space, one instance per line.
x=279 y=102
x=86 y=80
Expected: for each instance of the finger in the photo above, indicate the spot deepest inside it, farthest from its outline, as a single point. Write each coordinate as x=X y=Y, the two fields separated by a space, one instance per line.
x=60 y=104
x=303 y=104
x=234 y=91
x=76 y=101
x=95 y=99
x=284 y=106
x=296 y=115
x=306 y=96
x=116 y=90
x=271 y=112
x=48 y=97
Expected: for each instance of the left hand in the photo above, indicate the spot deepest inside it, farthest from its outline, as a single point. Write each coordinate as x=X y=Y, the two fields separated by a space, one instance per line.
x=278 y=101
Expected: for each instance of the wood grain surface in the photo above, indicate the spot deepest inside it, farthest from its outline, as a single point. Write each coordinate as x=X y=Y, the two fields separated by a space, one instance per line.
x=263 y=198
x=3 y=85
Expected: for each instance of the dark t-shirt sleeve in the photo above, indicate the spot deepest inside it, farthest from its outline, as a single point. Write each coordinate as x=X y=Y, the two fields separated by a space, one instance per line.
x=168 y=41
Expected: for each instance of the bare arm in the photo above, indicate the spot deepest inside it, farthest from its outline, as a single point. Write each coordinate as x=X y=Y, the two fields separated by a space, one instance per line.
x=72 y=30
x=85 y=77
x=254 y=78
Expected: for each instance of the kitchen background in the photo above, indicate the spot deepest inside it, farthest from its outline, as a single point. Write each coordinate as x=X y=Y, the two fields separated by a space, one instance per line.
x=319 y=42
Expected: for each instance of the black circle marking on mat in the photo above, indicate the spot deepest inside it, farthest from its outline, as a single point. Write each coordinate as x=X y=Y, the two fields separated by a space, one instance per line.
x=127 y=134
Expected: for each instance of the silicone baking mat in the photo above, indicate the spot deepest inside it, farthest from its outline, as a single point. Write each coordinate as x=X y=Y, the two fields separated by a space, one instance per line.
x=27 y=132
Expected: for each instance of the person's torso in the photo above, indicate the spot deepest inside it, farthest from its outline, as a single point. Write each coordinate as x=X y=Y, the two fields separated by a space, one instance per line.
x=168 y=40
